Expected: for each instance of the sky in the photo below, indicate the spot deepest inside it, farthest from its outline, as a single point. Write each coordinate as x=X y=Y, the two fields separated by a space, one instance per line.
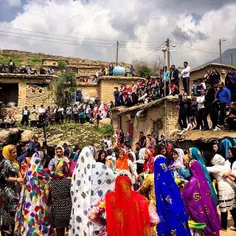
x=91 y=28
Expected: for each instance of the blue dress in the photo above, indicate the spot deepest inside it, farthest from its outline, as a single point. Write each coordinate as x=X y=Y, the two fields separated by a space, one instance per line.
x=170 y=206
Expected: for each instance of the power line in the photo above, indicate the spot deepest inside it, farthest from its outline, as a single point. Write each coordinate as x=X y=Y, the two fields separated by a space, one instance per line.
x=54 y=41
x=65 y=41
x=66 y=36
x=195 y=49
x=152 y=52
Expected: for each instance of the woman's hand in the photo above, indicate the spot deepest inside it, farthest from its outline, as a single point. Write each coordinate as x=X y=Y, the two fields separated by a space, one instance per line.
x=19 y=180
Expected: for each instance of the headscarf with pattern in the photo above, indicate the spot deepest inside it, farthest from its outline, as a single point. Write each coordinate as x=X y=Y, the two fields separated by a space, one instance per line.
x=32 y=217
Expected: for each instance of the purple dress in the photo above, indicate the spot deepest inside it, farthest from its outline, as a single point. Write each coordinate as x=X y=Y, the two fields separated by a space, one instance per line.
x=198 y=201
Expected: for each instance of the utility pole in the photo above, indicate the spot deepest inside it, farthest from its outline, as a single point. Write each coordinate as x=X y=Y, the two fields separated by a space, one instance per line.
x=117 y=52
x=220 y=42
x=168 y=53
x=232 y=59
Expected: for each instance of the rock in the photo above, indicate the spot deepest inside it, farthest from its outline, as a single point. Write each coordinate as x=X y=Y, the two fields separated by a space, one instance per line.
x=26 y=135
x=9 y=136
x=104 y=122
x=4 y=135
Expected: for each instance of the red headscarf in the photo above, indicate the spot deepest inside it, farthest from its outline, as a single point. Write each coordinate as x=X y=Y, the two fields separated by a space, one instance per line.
x=149 y=163
x=127 y=211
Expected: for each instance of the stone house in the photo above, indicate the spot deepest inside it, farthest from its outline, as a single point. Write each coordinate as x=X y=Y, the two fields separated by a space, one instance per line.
x=160 y=115
x=26 y=90
x=200 y=72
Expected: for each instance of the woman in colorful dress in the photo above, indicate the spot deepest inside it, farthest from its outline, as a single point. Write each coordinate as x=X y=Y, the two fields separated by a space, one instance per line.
x=127 y=212
x=59 y=156
x=225 y=190
x=195 y=154
x=198 y=200
x=60 y=197
x=10 y=181
x=148 y=166
x=91 y=180
x=170 y=206
x=32 y=217
x=148 y=189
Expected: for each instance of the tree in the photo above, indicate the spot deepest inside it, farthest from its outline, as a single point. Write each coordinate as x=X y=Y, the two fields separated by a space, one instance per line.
x=62 y=65
x=65 y=87
x=145 y=69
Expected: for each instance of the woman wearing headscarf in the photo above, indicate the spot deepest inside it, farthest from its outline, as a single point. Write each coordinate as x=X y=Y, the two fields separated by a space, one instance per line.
x=232 y=159
x=60 y=197
x=225 y=144
x=24 y=166
x=195 y=154
x=198 y=201
x=10 y=181
x=59 y=156
x=147 y=189
x=91 y=180
x=170 y=206
x=148 y=165
x=33 y=217
x=127 y=212
x=226 y=190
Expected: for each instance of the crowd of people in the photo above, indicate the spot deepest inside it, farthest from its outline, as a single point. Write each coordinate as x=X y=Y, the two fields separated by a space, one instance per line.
x=13 y=69
x=153 y=88
x=208 y=100
x=154 y=189
x=79 y=113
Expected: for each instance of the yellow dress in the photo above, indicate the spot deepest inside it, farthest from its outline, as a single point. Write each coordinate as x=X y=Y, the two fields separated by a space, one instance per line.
x=148 y=187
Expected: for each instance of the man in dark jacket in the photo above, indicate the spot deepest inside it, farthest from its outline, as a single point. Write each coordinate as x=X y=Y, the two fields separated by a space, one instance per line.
x=174 y=75
x=210 y=106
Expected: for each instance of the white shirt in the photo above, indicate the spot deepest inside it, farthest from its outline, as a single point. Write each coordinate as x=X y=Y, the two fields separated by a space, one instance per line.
x=200 y=102
x=186 y=72
x=25 y=112
x=41 y=110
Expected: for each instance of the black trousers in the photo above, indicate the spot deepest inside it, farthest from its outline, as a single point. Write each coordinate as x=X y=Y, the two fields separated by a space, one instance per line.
x=222 y=113
x=212 y=111
x=202 y=119
x=76 y=118
x=182 y=120
x=224 y=218
x=25 y=120
x=186 y=84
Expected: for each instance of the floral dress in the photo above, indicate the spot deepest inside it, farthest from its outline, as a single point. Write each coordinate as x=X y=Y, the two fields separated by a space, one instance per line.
x=9 y=192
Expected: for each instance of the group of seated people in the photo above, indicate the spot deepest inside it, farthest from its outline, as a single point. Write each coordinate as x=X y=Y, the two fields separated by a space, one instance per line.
x=146 y=90
x=8 y=121
x=13 y=69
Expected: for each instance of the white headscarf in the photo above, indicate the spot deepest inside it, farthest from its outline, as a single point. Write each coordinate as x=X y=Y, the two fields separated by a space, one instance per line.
x=62 y=158
x=218 y=160
x=179 y=161
x=90 y=182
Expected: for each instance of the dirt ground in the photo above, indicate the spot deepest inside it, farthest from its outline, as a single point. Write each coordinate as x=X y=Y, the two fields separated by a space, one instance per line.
x=198 y=134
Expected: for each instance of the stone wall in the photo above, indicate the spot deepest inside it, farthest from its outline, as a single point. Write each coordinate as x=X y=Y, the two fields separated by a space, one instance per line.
x=90 y=89
x=39 y=95
x=107 y=85
x=154 y=117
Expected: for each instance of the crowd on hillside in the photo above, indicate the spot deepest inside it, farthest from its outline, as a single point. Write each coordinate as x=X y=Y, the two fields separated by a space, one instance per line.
x=79 y=113
x=153 y=189
x=13 y=69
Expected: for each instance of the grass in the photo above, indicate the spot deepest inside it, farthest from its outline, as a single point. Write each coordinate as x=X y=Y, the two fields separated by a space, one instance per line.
x=34 y=61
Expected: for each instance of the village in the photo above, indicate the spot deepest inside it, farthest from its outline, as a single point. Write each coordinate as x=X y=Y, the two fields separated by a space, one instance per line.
x=117 y=118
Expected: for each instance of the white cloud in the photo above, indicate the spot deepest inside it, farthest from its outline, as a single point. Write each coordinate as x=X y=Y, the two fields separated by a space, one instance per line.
x=14 y=3
x=141 y=25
